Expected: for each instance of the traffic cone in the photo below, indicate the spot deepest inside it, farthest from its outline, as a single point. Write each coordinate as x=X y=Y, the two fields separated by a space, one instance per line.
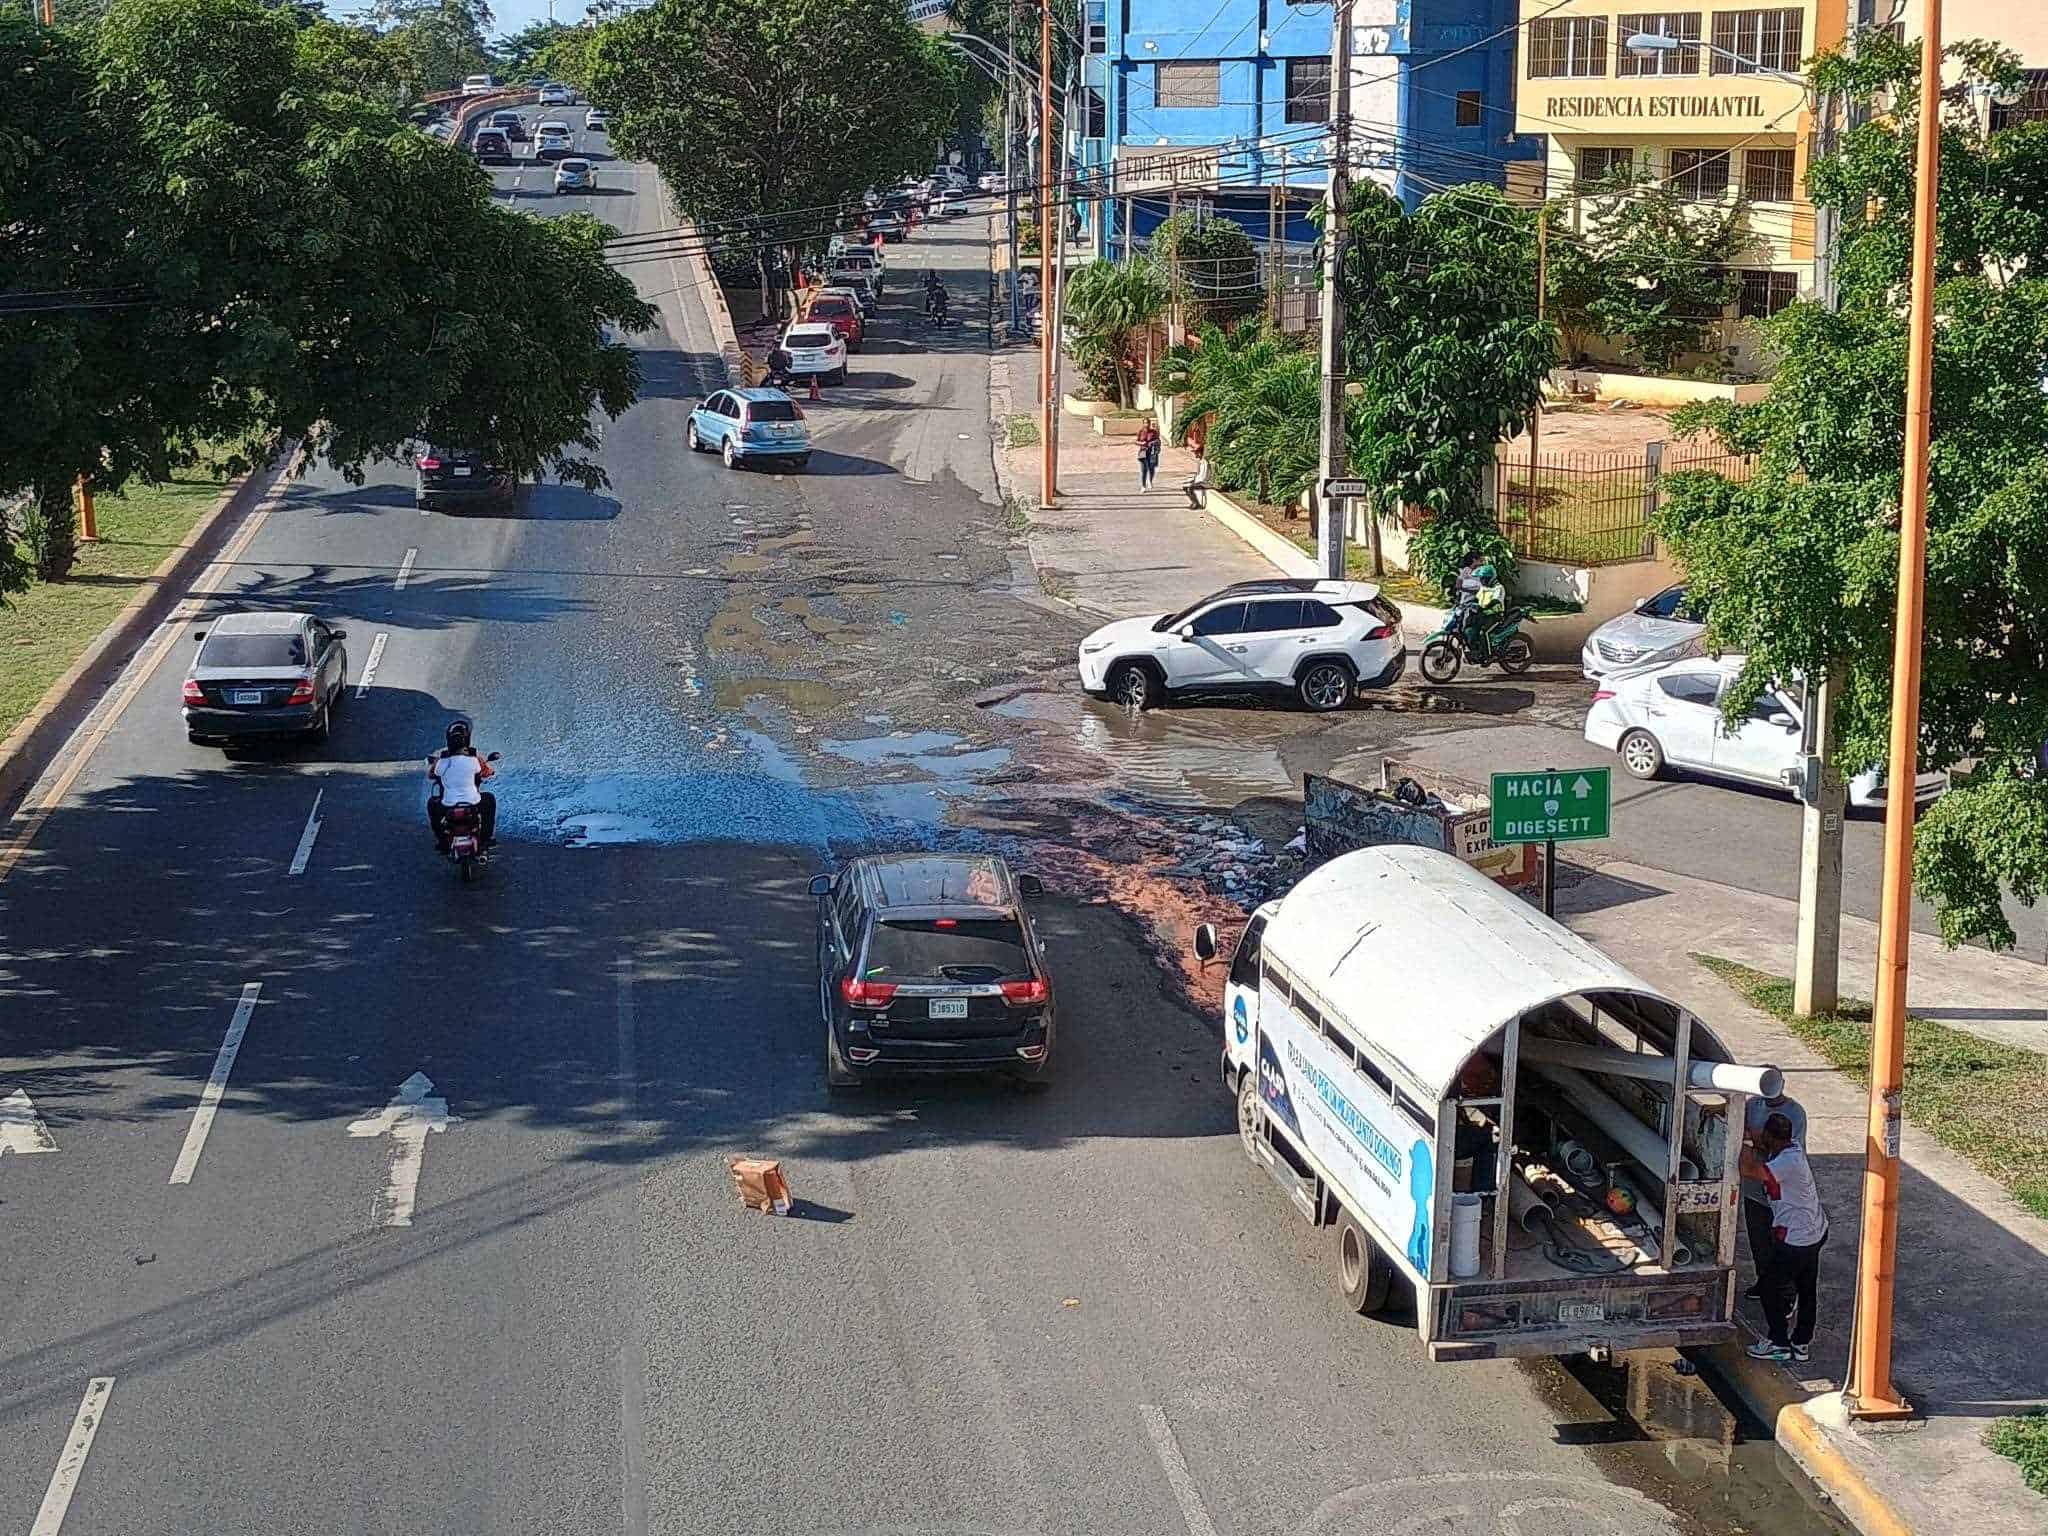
x=816 y=393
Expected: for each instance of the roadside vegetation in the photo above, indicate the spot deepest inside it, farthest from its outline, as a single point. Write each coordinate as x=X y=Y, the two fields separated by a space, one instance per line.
x=2024 y=1437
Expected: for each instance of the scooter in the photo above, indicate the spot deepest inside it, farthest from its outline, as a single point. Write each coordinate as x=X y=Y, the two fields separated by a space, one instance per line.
x=1496 y=642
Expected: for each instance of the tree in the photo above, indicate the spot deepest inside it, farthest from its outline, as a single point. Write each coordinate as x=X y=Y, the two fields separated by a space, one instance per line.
x=1255 y=394
x=1663 y=267
x=1442 y=335
x=1211 y=266
x=518 y=54
x=1107 y=305
x=764 y=116
x=351 y=283
x=1798 y=564
x=1574 y=276
x=445 y=38
x=566 y=57
x=359 y=61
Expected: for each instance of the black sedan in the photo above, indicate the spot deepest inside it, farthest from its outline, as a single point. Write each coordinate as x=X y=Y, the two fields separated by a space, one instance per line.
x=461 y=477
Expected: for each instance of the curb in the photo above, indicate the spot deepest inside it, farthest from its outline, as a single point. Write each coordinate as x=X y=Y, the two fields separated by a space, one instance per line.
x=1278 y=552
x=709 y=294
x=31 y=745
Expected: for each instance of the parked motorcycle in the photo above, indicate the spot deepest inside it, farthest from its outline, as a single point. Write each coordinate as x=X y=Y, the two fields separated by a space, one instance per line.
x=1484 y=641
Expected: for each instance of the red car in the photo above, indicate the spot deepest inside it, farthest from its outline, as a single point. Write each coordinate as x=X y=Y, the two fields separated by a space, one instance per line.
x=842 y=314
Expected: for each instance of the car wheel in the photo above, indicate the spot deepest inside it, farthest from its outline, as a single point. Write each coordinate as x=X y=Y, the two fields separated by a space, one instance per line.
x=690 y=436
x=1325 y=686
x=1363 y=1273
x=1517 y=655
x=838 y=1075
x=1132 y=685
x=1641 y=755
x=424 y=503
x=837 y=376
x=1440 y=661
x=731 y=459
x=1249 y=1134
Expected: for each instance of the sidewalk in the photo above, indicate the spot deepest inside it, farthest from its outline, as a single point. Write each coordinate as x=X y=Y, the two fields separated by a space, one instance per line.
x=1971 y=1341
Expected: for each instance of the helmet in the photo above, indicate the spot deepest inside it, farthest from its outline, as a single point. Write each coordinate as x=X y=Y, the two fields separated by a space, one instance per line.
x=458 y=735
x=1486 y=573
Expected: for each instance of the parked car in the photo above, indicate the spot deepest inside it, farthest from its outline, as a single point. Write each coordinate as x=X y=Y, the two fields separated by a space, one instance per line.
x=1659 y=629
x=854 y=266
x=554 y=94
x=991 y=181
x=264 y=674
x=492 y=147
x=574 y=175
x=596 y=121
x=890 y=224
x=1660 y=718
x=479 y=85
x=814 y=347
x=840 y=309
x=929 y=963
x=948 y=202
x=460 y=477
x=1322 y=641
x=742 y=425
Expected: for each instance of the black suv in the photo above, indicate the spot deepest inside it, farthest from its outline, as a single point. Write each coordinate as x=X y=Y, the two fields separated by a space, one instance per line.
x=461 y=477
x=928 y=962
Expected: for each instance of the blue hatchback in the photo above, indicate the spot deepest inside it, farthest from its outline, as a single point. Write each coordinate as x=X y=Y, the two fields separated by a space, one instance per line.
x=742 y=425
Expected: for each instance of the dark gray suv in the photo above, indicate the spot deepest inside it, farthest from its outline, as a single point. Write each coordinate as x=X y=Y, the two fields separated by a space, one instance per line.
x=929 y=963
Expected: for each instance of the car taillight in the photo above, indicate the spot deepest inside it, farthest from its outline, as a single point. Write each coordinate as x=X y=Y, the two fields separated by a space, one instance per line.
x=1023 y=993
x=866 y=994
x=194 y=694
x=430 y=463
x=1383 y=632
x=1602 y=693
x=302 y=691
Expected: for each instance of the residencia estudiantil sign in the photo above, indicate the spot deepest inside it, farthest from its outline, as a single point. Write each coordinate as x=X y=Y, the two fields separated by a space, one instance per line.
x=1689 y=107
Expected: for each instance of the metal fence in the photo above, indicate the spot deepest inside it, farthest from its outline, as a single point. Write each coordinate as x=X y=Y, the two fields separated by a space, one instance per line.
x=1585 y=508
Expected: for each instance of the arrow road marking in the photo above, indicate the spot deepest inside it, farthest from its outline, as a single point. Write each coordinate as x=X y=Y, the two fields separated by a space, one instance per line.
x=407 y=1119
x=405 y=570
x=64 y=1481
x=216 y=1085
x=370 y=666
x=21 y=1128
x=306 y=837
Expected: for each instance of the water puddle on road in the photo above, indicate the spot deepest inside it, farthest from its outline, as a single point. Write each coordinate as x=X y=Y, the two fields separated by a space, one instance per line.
x=1163 y=756
x=938 y=753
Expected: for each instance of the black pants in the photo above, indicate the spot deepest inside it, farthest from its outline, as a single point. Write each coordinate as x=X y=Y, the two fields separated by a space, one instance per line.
x=1794 y=1277
x=487 y=813
x=1756 y=1221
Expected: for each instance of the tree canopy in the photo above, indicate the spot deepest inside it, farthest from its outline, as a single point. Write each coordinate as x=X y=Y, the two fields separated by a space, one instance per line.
x=1798 y=565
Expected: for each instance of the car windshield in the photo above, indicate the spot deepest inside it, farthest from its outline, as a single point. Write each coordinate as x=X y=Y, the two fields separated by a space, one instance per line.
x=954 y=948
x=771 y=410
x=1671 y=603
x=280 y=649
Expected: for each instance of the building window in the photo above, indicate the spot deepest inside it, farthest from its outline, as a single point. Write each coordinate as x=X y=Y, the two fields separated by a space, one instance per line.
x=1308 y=90
x=1767 y=175
x=1097 y=12
x=1471 y=106
x=1561 y=46
x=1758 y=40
x=2032 y=107
x=1765 y=293
x=1598 y=166
x=1682 y=60
x=1699 y=174
x=1098 y=114
x=1185 y=84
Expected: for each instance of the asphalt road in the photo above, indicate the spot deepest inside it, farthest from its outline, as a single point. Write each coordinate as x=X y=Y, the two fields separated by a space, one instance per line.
x=1076 y=1312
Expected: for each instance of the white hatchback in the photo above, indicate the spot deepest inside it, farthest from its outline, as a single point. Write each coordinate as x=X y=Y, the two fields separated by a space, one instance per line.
x=1670 y=717
x=1321 y=641
x=815 y=349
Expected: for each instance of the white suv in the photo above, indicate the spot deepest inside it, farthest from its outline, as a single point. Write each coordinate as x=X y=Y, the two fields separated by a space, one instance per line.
x=1321 y=641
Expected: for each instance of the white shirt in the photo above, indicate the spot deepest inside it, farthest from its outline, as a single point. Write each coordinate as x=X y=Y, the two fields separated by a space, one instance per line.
x=460 y=776
x=1795 y=1203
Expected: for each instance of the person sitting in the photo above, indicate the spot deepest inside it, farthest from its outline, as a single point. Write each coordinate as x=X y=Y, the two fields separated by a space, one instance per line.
x=1486 y=597
x=458 y=774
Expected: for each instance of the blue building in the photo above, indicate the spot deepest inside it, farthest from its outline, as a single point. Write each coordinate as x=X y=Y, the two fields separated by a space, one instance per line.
x=1226 y=107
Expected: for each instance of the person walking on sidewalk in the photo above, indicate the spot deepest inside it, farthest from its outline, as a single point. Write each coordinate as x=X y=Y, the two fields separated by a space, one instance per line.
x=1148 y=453
x=1756 y=1204
x=1799 y=1230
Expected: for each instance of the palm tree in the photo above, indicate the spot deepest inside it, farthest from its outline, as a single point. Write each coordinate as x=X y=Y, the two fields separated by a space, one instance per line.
x=1259 y=393
x=1107 y=305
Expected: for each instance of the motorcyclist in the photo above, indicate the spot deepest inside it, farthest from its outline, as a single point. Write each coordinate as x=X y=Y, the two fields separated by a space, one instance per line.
x=458 y=773
x=1480 y=594
x=935 y=298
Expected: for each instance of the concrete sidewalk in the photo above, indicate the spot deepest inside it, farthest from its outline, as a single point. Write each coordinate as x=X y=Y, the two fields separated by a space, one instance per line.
x=1971 y=1342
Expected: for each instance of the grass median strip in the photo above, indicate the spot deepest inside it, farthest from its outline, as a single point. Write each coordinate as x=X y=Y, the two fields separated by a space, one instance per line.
x=45 y=629
x=1974 y=1096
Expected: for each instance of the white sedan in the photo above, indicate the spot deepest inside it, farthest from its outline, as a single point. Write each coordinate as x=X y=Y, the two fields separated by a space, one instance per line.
x=815 y=349
x=1670 y=717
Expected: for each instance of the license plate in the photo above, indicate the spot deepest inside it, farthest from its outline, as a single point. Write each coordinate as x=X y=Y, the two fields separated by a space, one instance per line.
x=460 y=471
x=248 y=696
x=1581 y=1312
x=949 y=1008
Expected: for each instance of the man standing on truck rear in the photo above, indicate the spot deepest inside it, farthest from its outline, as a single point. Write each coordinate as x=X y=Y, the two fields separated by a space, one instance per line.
x=1756 y=1204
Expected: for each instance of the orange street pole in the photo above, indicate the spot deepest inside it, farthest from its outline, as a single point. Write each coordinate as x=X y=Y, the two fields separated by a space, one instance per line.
x=1048 y=345
x=1869 y=1392
x=49 y=13
x=88 y=525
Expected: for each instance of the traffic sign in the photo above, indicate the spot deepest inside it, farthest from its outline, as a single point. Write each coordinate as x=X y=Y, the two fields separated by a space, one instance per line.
x=1339 y=490
x=1571 y=806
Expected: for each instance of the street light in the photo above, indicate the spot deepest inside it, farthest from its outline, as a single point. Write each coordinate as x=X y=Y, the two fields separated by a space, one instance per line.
x=1648 y=45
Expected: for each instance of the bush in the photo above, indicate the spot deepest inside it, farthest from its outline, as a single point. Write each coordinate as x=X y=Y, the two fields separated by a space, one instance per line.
x=2024 y=1437
x=1212 y=268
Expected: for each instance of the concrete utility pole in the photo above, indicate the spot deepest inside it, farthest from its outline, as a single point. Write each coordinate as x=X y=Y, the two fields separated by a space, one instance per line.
x=1049 y=341
x=1010 y=170
x=1869 y=1392
x=1330 y=519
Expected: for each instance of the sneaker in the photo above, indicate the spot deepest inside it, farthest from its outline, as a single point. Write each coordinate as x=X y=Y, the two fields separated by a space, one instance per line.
x=1802 y=1353
x=1764 y=1349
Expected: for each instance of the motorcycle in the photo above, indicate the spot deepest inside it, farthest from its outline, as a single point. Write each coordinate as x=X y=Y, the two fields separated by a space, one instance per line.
x=936 y=303
x=465 y=828
x=1492 y=642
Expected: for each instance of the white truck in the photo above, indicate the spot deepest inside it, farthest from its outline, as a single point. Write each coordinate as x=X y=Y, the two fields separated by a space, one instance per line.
x=1484 y=1105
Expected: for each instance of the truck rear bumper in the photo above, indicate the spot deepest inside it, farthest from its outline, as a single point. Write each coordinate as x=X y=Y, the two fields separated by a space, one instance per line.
x=1556 y=1343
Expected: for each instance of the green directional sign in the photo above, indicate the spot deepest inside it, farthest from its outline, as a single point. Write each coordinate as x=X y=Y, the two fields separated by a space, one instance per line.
x=1555 y=806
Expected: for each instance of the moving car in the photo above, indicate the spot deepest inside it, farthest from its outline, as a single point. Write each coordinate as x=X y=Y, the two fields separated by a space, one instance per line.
x=742 y=425
x=1322 y=641
x=479 y=85
x=840 y=309
x=512 y=125
x=890 y=225
x=596 y=121
x=1661 y=628
x=492 y=147
x=574 y=175
x=460 y=477
x=929 y=963
x=551 y=141
x=991 y=181
x=556 y=95
x=856 y=266
x=1670 y=717
x=948 y=201
x=815 y=348
x=264 y=674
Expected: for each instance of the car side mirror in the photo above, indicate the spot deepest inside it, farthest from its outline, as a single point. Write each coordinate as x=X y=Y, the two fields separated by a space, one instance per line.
x=340 y=634
x=1205 y=943
x=198 y=634
x=1030 y=885
x=821 y=885
x=1186 y=631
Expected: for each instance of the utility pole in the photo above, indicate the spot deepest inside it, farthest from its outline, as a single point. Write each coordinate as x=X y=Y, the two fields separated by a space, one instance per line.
x=88 y=523
x=1063 y=211
x=1869 y=1392
x=1330 y=521
x=1010 y=170
x=1049 y=341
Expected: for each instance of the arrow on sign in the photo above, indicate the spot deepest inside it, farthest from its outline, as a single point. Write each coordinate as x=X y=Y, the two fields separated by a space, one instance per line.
x=21 y=1128
x=1581 y=788
x=406 y=1120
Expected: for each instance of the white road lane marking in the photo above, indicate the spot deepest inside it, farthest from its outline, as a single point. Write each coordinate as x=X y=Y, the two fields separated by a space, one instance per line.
x=412 y=1113
x=405 y=570
x=1178 y=1478
x=370 y=666
x=64 y=1481
x=216 y=1085
x=305 y=849
x=21 y=1128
